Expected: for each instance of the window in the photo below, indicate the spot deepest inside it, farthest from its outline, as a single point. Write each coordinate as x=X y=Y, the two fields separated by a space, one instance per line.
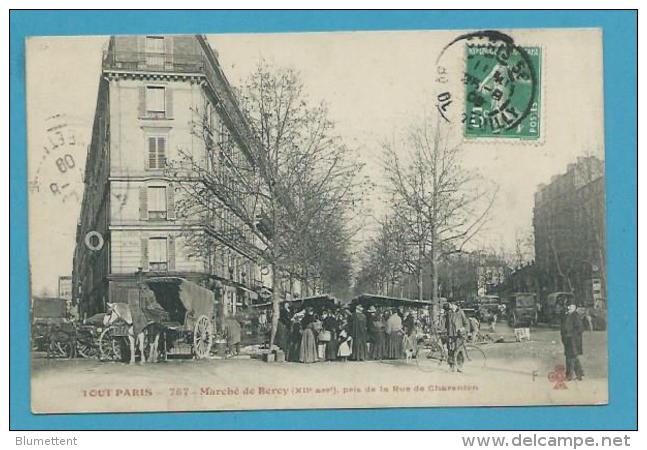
x=155 y=100
x=156 y=152
x=158 y=261
x=157 y=202
x=154 y=50
x=154 y=44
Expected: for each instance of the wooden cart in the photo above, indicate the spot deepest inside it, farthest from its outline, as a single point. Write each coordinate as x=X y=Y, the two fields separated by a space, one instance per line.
x=191 y=313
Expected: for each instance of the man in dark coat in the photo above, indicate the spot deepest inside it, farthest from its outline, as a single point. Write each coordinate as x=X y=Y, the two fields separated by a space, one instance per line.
x=572 y=328
x=359 y=333
x=283 y=330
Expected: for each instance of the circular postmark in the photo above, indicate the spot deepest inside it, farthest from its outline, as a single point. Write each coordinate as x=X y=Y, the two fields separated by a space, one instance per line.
x=59 y=170
x=495 y=80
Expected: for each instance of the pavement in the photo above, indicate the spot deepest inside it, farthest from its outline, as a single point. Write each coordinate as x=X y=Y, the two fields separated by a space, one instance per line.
x=514 y=373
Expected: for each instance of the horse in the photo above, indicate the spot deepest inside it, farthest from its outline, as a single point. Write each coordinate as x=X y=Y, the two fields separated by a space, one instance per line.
x=122 y=311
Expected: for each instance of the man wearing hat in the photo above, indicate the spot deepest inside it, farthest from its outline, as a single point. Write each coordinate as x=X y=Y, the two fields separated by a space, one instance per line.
x=358 y=331
x=457 y=325
x=571 y=330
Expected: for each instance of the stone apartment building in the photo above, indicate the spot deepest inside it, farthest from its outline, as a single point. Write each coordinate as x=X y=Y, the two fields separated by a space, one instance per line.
x=149 y=91
x=570 y=232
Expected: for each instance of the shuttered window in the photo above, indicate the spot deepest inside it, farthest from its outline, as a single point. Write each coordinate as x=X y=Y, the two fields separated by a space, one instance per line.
x=157 y=254
x=154 y=51
x=157 y=203
x=155 y=100
x=156 y=152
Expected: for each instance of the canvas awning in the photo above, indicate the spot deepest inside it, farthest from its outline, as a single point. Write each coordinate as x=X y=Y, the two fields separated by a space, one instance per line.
x=175 y=294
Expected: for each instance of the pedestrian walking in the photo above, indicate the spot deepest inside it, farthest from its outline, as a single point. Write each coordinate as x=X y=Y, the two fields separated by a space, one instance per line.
x=571 y=331
x=232 y=335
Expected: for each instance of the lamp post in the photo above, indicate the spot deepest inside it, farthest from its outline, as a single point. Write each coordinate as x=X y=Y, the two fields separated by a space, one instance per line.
x=139 y=276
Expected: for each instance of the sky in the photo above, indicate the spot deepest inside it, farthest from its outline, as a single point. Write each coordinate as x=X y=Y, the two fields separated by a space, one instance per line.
x=376 y=84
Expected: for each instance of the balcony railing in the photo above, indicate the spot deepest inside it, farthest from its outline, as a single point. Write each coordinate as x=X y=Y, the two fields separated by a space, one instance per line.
x=153 y=62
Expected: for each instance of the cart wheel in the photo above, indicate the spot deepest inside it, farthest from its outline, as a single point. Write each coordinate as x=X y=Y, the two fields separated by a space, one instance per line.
x=85 y=350
x=61 y=349
x=109 y=346
x=61 y=345
x=202 y=338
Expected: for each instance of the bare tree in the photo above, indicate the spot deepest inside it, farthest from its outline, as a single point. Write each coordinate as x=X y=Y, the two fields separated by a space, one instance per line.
x=268 y=203
x=439 y=204
x=386 y=260
x=524 y=247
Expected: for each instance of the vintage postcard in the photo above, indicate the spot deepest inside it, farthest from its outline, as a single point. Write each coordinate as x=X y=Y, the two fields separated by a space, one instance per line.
x=317 y=220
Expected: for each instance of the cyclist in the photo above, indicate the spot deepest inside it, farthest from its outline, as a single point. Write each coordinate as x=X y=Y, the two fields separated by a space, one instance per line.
x=456 y=324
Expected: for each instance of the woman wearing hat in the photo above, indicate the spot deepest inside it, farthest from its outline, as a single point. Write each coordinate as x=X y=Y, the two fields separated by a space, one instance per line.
x=377 y=335
x=308 y=350
x=294 y=347
x=394 y=336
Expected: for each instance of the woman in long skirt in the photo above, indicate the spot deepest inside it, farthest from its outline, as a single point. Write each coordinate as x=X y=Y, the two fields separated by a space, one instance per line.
x=394 y=336
x=308 y=351
x=378 y=336
x=282 y=338
x=330 y=325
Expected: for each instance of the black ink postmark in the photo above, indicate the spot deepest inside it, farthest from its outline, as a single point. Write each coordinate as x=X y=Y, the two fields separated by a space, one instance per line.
x=59 y=171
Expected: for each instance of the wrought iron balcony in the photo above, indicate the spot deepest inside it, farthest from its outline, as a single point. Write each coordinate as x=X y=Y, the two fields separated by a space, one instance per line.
x=153 y=62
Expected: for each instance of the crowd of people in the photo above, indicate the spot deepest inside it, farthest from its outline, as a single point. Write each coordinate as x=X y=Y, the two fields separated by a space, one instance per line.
x=348 y=333
x=357 y=333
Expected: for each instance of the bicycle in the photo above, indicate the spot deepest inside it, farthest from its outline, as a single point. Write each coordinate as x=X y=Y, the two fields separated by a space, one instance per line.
x=432 y=352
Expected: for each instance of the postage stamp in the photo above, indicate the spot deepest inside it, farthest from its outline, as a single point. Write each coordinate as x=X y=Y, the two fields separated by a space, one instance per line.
x=492 y=86
x=502 y=91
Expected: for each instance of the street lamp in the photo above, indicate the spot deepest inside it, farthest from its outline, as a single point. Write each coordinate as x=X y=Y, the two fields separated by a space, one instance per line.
x=139 y=277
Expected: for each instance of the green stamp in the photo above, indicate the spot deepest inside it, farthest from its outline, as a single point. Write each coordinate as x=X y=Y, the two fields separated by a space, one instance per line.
x=502 y=91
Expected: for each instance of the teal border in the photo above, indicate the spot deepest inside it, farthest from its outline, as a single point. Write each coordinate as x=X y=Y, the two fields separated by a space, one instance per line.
x=620 y=99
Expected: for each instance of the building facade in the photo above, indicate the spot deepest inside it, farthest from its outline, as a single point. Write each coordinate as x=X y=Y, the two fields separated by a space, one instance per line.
x=570 y=232
x=150 y=90
x=65 y=287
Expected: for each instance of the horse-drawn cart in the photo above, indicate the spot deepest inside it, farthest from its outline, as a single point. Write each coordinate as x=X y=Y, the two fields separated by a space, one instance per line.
x=51 y=328
x=191 y=312
x=177 y=319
